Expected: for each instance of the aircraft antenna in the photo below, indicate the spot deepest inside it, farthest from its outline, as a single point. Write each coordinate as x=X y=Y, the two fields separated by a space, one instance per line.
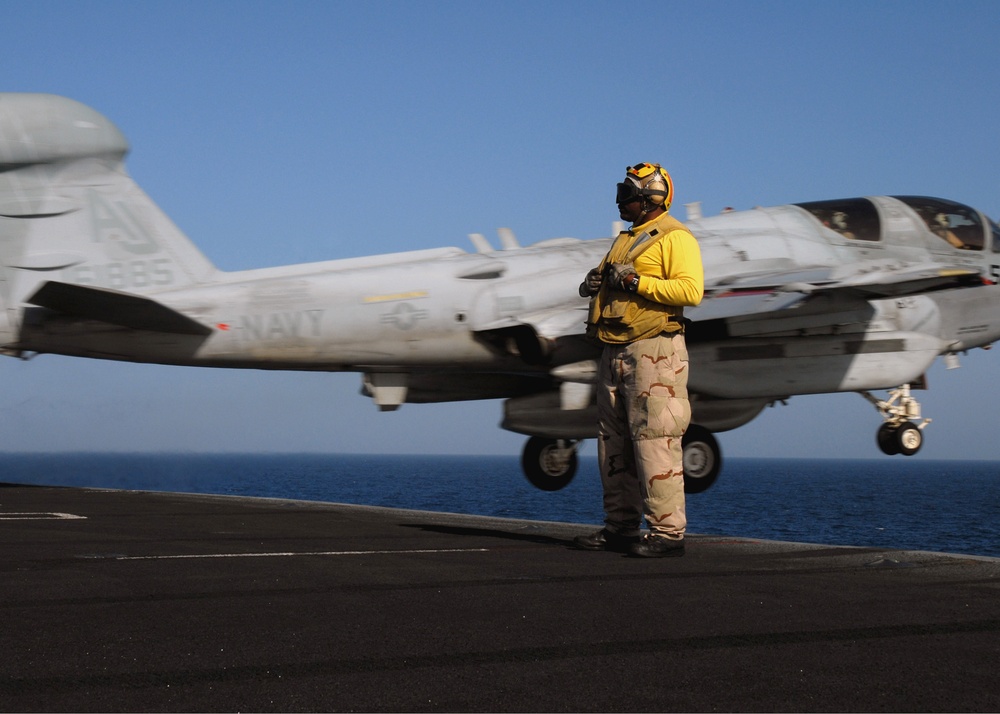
x=507 y=239
x=479 y=241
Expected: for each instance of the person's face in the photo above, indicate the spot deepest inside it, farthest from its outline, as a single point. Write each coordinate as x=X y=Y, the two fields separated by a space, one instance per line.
x=630 y=211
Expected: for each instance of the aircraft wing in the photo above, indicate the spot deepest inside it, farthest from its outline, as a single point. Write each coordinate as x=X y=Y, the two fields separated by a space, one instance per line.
x=566 y=318
x=114 y=307
x=906 y=280
x=763 y=293
x=766 y=292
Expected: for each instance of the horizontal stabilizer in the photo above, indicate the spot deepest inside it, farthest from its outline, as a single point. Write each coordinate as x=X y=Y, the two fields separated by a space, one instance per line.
x=118 y=308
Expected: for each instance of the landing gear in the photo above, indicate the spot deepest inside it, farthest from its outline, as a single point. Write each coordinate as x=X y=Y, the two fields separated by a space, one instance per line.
x=902 y=431
x=549 y=464
x=905 y=439
x=886 y=438
x=702 y=459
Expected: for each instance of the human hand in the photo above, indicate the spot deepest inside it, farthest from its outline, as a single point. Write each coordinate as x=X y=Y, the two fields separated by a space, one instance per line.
x=623 y=277
x=591 y=285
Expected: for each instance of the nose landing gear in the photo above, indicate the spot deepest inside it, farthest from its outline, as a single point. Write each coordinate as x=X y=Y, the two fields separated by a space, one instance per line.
x=902 y=432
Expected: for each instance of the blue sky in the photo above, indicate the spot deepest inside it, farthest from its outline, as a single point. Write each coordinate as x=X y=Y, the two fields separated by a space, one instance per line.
x=285 y=132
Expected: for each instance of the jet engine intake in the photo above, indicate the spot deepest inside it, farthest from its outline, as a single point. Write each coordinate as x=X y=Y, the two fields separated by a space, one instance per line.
x=519 y=341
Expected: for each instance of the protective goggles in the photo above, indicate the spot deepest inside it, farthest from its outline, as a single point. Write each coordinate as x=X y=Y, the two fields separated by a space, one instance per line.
x=628 y=192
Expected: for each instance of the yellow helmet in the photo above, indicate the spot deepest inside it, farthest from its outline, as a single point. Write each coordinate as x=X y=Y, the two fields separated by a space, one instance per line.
x=648 y=182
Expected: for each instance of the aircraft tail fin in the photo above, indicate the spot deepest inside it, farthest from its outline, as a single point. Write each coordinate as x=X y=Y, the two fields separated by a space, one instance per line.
x=70 y=213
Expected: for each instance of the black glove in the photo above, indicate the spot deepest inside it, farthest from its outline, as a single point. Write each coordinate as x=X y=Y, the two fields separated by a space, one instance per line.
x=591 y=285
x=623 y=277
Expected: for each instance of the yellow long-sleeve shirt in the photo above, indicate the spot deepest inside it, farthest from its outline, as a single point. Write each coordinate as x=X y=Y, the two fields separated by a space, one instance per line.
x=671 y=276
x=670 y=272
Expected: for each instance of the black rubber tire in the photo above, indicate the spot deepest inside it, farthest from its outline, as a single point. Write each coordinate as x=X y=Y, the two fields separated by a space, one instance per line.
x=886 y=438
x=541 y=469
x=702 y=459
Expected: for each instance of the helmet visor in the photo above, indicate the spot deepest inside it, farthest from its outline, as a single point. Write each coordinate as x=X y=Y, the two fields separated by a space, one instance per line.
x=627 y=192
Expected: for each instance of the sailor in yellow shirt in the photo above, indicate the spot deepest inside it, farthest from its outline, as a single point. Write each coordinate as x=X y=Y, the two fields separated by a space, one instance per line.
x=638 y=294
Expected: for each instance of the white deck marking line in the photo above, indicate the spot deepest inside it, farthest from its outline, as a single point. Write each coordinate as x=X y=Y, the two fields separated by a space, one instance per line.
x=293 y=554
x=40 y=517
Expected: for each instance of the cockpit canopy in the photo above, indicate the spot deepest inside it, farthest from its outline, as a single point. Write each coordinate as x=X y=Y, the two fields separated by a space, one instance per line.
x=854 y=218
x=958 y=225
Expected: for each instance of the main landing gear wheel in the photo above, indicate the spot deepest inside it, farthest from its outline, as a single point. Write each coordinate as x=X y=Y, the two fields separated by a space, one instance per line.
x=899 y=434
x=702 y=459
x=549 y=464
x=910 y=438
x=905 y=439
x=886 y=438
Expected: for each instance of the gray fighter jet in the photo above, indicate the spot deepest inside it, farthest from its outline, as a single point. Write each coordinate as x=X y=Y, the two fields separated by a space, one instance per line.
x=853 y=295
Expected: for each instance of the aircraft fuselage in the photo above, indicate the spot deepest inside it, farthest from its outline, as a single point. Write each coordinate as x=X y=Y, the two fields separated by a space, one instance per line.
x=431 y=310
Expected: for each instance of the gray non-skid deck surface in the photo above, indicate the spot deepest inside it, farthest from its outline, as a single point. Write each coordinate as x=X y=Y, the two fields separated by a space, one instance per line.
x=173 y=602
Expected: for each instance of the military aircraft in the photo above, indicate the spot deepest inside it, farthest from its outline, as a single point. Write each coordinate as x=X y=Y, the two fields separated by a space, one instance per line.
x=855 y=295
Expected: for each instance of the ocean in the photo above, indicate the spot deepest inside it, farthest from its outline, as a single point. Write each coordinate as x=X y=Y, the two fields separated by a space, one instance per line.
x=946 y=506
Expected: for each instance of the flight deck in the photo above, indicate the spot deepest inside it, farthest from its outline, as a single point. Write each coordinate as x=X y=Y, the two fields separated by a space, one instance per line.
x=140 y=601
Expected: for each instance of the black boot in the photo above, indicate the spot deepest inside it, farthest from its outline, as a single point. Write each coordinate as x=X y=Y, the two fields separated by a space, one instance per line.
x=606 y=540
x=658 y=547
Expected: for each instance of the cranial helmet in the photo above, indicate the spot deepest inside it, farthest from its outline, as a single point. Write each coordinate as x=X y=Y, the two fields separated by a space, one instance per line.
x=648 y=182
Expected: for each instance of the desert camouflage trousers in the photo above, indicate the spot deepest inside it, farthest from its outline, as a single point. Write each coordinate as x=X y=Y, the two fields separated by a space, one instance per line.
x=643 y=411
